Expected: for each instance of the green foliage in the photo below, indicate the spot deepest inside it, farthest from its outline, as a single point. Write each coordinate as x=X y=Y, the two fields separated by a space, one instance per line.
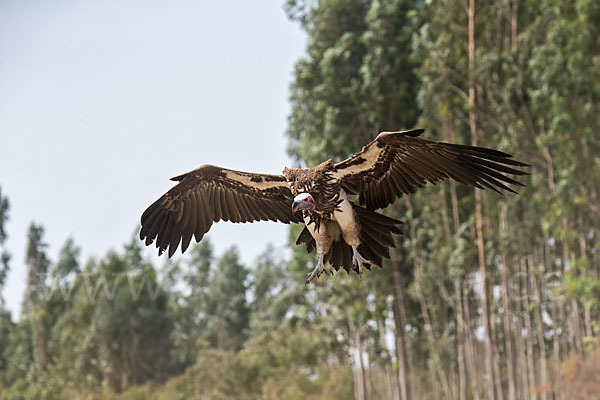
x=270 y=284
x=190 y=310
x=67 y=263
x=227 y=303
x=356 y=80
x=37 y=263
x=284 y=364
x=4 y=255
x=209 y=327
x=17 y=352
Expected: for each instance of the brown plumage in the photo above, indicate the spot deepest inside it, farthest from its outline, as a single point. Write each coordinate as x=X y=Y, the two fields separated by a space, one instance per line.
x=376 y=237
x=317 y=181
x=210 y=194
x=344 y=234
x=398 y=163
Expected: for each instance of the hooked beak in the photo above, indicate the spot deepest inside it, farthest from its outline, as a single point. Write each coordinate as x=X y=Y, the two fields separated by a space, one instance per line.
x=296 y=205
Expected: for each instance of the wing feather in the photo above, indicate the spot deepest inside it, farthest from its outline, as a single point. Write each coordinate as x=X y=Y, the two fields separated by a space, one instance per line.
x=175 y=238
x=255 y=210
x=218 y=199
x=210 y=194
x=190 y=225
x=232 y=207
x=240 y=204
x=185 y=215
x=162 y=241
x=208 y=213
x=153 y=229
x=398 y=163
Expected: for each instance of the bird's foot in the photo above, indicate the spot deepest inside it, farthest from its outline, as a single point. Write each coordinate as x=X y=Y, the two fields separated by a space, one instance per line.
x=318 y=271
x=358 y=260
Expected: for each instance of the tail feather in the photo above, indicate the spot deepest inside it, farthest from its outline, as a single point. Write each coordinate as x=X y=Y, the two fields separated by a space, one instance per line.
x=385 y=238
x=376 y=238
x=375 y=246
x=337 y=254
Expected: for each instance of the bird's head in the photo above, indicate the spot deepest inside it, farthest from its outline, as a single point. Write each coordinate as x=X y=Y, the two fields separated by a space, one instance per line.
x=302 y=202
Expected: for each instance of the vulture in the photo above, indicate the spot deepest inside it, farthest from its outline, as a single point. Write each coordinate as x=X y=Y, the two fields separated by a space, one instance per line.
x=336 y=202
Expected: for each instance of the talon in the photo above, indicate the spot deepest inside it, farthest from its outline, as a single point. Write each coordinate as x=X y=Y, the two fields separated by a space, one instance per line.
x=358 y=261
x=319 y=269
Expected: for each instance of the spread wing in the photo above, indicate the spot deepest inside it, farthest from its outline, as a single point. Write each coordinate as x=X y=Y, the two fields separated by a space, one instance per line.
x=398 y=163
x=209 y=194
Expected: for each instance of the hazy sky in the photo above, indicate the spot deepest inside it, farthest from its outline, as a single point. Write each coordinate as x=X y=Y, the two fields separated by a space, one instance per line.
x=101 y=102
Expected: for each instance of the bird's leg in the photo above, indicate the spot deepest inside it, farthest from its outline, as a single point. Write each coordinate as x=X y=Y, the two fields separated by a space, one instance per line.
x=319 y=269
x=358 y=260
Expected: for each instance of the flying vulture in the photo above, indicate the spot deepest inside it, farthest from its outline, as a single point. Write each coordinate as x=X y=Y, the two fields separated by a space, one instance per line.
x=345 y=232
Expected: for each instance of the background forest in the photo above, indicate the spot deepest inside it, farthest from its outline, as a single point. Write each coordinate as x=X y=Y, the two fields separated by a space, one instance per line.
x=486 y=296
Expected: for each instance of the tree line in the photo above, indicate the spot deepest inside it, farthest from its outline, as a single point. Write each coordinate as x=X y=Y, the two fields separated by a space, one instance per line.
x=485 y=297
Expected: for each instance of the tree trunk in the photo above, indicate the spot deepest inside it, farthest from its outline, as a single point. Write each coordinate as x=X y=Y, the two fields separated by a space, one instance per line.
x=424 y=309
x=541 y=340
x=400 y=321
x=107 y=367
x=522 y=382
x=360 y=387
x=386 y=364
x=124 y=368
x=514 y=13
x=496 y=357
x=40 y=340
x=444 y=211
x=556 y=351
x=529 y=329
x=587 y=312
x=478 y=217
x=575 y=323
x=471 y=352
x=508 y=331
x=461 y=338
x=587 y=315
x=433 y=343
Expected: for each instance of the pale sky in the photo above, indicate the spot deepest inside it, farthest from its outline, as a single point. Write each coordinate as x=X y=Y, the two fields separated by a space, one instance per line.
x=101 y=102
